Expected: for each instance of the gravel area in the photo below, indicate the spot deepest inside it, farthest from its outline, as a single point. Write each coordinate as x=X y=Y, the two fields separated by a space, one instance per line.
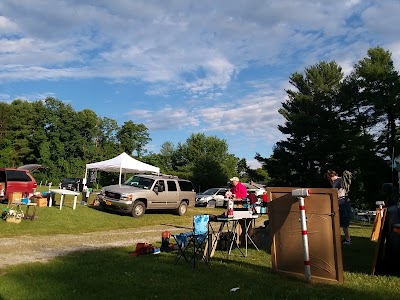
x=25 y=249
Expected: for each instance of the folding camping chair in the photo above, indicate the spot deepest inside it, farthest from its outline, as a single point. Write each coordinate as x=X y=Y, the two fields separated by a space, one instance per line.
x=190 y=243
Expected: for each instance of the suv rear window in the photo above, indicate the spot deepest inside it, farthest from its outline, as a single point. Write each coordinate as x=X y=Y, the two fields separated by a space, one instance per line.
x=186 y=186
x=15 y=175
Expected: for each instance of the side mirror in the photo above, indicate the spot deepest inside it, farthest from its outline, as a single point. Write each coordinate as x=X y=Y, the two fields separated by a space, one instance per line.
x=156 y=189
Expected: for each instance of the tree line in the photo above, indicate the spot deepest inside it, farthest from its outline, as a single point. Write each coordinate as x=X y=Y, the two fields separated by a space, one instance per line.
x=332 y=121
x=53 y=134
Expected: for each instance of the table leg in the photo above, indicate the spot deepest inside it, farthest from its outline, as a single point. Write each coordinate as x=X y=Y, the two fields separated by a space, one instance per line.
x=246 y=233
x=248 y=236
x=234 y=238
x=75 y=198
x=51 y=200
x=61 y=201
x=213 y=238
x=27 y=215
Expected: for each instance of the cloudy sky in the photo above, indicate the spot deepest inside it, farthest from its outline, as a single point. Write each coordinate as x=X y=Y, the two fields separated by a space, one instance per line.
x=181 y=66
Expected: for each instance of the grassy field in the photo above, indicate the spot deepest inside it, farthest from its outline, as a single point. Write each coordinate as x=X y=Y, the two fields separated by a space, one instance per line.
x=52 y=220
x=114 y=274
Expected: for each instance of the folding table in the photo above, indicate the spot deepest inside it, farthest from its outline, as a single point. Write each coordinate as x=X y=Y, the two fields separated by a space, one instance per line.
x=230 y=225
x=63 y=193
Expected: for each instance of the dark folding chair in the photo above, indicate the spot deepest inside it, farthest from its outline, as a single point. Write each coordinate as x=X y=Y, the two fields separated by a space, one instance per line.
x=190 y=244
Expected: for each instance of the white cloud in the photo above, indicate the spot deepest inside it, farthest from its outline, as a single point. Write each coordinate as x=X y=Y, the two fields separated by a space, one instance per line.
x=166 y=118
x=193 y=59
x=7 y=26
x=158 y=42
x=253 y=164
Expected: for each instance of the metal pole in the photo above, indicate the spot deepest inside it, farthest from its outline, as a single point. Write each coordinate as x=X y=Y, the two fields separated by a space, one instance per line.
x=306 y=254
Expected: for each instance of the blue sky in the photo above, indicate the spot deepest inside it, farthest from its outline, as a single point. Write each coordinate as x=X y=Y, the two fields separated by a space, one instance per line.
x=182 y=67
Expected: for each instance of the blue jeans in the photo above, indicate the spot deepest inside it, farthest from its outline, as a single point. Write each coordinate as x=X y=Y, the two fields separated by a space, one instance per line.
x=345 y=214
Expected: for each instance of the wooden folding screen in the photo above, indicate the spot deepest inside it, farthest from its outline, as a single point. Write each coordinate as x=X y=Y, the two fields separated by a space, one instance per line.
x=323 y=229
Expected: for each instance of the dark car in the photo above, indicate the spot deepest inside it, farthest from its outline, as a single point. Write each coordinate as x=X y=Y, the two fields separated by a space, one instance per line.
x=74 y=184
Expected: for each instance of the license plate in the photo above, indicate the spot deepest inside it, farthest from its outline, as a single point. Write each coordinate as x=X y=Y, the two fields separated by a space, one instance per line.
x=108 y=202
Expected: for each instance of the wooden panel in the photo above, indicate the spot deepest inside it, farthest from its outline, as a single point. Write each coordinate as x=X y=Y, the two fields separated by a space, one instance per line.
x=322 y=213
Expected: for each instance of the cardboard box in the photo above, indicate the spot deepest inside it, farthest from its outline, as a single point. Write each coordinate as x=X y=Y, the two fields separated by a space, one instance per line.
x=14 y=197
x=41 y=202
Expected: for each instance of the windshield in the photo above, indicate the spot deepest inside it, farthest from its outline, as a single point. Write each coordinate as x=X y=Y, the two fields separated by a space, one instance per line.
x=210 y=192
x=140 y=182
x=70 y=180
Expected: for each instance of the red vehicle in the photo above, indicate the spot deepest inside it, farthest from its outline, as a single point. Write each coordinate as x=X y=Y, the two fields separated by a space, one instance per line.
x=17 y=180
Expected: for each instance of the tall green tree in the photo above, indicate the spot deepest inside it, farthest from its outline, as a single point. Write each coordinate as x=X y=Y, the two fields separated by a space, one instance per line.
x=20 y=129
x=6 y=149
x=133 y=138
x=167 y=151
x=106 y=141
x=315 y=133
x=207 y=159
x=378 y=86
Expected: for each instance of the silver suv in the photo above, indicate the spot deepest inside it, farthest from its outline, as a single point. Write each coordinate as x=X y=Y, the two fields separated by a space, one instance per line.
x=141 y=192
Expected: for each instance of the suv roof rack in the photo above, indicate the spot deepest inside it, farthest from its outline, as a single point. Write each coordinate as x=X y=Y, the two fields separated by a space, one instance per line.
x=169 y=176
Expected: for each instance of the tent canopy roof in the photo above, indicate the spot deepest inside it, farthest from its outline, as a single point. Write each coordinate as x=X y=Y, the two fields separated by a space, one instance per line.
x=123 y=163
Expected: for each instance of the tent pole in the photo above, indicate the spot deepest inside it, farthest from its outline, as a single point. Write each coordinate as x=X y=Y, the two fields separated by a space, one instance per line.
x=120 y=174
x=85 y=179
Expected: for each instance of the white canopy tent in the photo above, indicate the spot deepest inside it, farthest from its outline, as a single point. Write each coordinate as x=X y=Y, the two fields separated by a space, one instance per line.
x=122 y=163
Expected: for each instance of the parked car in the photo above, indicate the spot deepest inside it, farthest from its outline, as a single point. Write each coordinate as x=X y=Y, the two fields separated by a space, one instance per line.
x=74 y=184
x=142 y=192
x=217 y=194
x=17 y=180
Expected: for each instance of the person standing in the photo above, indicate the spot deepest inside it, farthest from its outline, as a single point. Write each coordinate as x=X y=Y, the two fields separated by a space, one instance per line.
x=264 y=199
x=238 y=190
x=252 y=197
x=344 y=203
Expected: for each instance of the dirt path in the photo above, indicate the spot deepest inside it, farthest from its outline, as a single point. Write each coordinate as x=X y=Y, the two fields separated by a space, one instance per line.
x=26 y=249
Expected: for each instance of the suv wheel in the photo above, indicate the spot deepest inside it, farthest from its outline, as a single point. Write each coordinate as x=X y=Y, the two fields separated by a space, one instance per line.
x=138 y=209
x=182 y=208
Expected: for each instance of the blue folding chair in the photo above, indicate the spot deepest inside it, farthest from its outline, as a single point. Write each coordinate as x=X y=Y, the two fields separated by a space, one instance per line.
x=190 y=244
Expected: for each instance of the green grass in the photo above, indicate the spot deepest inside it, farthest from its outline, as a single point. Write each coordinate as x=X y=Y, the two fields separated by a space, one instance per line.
x=114 y=274
x=52 y=220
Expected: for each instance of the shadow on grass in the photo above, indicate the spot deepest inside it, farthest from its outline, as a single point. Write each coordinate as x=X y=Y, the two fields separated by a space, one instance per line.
x=113 y=274
x=120 y=213
x=358 y=256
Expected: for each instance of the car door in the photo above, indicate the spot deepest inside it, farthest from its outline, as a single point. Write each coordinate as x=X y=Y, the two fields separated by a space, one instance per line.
x=158 y=196
x=172 y=198
x=220 y=197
